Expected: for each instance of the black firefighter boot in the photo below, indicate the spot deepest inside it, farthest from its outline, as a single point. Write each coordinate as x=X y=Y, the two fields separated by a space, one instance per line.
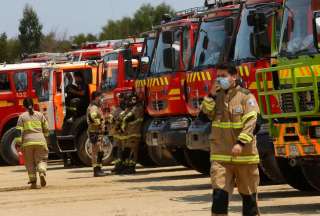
x=97 y=171
x=118 y=167
x=130 y=167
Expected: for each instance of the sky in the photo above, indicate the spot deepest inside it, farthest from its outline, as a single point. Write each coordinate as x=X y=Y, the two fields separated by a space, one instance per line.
x=71 y=17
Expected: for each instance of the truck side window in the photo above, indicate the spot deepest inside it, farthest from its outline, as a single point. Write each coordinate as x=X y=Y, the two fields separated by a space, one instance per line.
x=186 y=47
x=4 y=82
x=21 y=81
x=59 y=82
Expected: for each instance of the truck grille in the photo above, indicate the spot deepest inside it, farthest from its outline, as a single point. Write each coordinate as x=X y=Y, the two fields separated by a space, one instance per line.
x=306 y=101
x=158 y=105
x=196 y=102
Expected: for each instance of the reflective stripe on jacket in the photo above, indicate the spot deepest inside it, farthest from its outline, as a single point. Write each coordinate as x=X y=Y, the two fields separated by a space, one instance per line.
x=95 y=119
x=234 y=116
x=31 y=129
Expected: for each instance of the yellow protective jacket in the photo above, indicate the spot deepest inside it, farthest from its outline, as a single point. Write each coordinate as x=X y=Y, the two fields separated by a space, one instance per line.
x=95 y=119
x=32 y=130
x=234 y=115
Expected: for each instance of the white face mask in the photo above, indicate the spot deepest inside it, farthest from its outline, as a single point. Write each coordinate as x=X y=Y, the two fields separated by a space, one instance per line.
x=224 y=83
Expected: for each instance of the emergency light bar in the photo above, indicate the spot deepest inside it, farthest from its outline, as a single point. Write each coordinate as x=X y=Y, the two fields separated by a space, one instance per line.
x=217 y=3
x=190 y=11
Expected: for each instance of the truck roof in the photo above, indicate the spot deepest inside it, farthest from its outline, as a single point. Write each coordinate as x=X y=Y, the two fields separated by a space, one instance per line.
x=73 y=65
x=21 y=66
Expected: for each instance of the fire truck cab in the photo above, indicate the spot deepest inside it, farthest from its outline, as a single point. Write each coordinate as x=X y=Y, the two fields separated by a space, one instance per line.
x=293 y=80
x=64 y=96
x=218 y=26
x=17 y=81
x=164 y=85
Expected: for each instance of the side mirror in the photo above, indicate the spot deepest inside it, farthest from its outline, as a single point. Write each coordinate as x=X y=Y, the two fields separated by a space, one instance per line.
x=259 y=43
x=169 y=58
x=205 y=42
x=229 y=25
x=168 y=37
x=257 y=19
x=202 y=57
x=316 y=29
x=144 y=64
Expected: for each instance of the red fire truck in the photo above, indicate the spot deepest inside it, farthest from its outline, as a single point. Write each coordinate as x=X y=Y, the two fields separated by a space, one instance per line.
x=164 y=86
x=17 y=81
x=214 y=44
x=93 y=50
x=229 y=40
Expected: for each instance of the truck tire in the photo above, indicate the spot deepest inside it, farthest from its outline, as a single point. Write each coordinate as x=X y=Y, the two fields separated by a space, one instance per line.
x=84 y=150
x=161 y=156
x=268 y=163
x=270 y=168
x=178 y=155
x=199 y=160
x=311 y=170
x=144 y=157
x=294 y=175
x=7 y=148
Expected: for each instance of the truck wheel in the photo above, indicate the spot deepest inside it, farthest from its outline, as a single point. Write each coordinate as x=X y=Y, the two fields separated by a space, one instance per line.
x=178 y=155
x=311 y=171
x=294 y=175
x=144 y=157
x=199 y=160
x=84 y=150
x=8 y=148
x=270 y=168
x=161 y=156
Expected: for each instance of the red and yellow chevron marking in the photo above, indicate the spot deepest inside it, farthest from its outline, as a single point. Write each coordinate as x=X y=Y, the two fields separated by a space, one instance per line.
x=157 y=81
x=198 y=76
x=244 y=70
x=303 y=141
x=304 y=71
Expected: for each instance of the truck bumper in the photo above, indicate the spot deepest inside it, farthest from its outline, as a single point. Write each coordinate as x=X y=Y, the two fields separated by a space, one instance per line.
x=198 y=136
x=62 y=143
x=169 y=133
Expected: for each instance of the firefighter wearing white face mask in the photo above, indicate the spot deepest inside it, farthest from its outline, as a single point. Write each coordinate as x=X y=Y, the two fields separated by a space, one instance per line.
x=233 y=111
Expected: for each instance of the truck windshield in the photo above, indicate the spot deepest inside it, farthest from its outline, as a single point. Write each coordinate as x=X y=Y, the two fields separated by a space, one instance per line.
x=157 y=64
x=41 y=84
x=296 y=31
x=149 y=47
x=242 y=45
x=210 y=44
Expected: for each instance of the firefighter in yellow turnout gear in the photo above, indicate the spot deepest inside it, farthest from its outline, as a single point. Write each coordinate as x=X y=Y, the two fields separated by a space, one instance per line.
x=32 y=131
x=128 y=137
x=96 y=129
x=233 y=111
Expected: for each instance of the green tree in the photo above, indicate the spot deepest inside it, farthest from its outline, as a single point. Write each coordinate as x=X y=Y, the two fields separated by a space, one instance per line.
x=82 y=38
x=30 y=31
x=3 y=47
x=13 y=47
x=143 y=20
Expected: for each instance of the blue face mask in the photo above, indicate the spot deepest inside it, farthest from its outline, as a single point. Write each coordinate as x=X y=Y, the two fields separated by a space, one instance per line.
x=224 y=83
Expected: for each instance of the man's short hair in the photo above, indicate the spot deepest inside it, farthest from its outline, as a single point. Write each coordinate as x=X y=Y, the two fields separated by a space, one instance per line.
x=230 y=67
x=95 y=95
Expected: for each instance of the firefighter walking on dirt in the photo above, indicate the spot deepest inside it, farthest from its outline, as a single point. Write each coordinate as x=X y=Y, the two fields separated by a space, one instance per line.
x=96 y=129
x=127 y=139
x=32 y=131
x=233 y=111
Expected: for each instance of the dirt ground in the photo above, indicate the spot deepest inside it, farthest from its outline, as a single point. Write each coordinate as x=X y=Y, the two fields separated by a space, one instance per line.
x=167 y=191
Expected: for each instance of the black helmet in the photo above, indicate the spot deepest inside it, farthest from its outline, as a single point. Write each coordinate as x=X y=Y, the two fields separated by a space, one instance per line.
x=28 y=103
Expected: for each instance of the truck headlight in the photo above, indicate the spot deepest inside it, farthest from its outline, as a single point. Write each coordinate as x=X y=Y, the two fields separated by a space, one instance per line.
x=317 y=132
x=309 y=149
x=179 y=124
